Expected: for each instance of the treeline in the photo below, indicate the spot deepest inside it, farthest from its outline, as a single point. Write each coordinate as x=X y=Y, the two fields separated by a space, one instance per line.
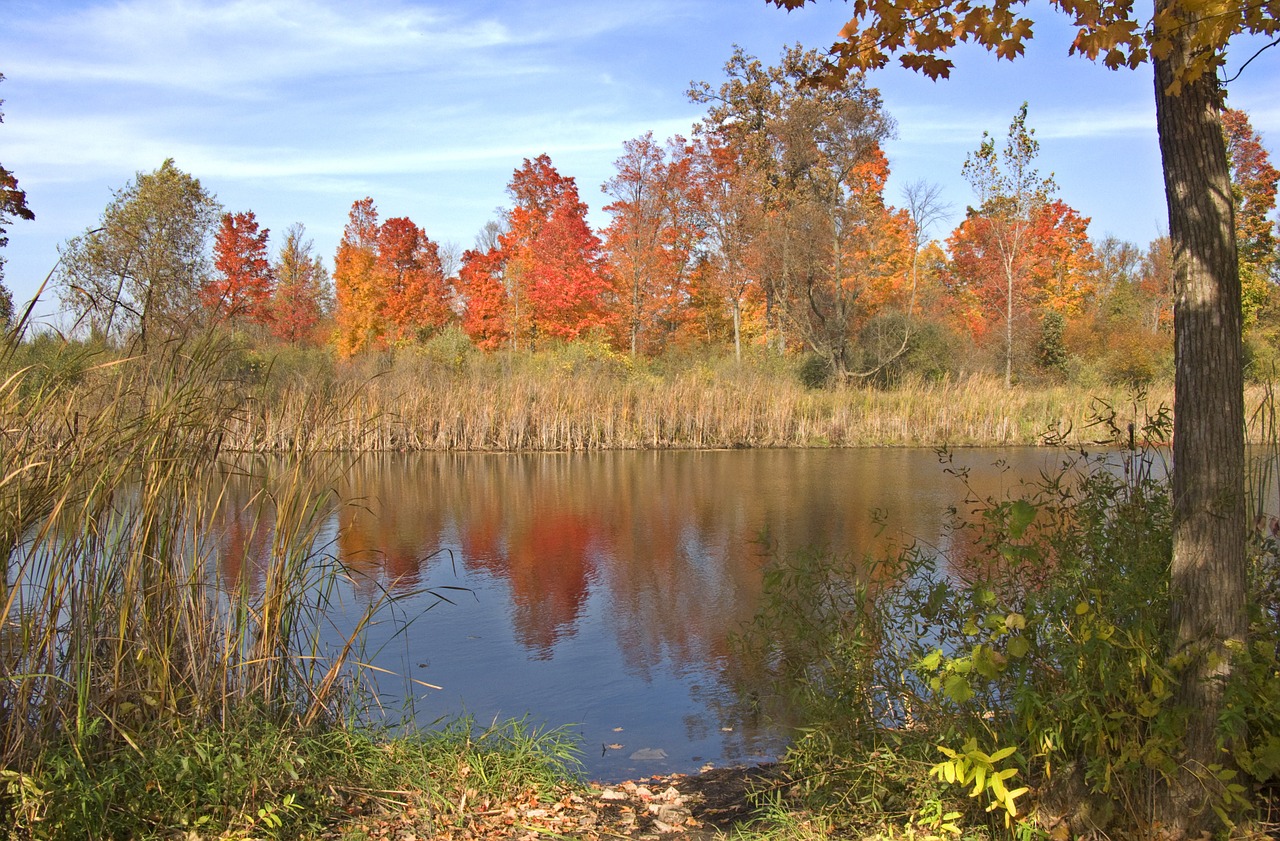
x=769 y=227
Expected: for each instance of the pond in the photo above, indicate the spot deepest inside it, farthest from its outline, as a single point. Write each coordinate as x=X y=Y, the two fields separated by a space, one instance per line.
x=603 y=591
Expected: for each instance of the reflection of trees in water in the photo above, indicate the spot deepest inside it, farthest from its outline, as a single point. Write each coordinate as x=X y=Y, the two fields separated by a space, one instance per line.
x=391 y=521
x=685 y=536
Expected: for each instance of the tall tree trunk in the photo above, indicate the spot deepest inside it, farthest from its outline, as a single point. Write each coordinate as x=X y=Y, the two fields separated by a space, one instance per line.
x=737 y=329
x=1008 y=324
x=1207 y=584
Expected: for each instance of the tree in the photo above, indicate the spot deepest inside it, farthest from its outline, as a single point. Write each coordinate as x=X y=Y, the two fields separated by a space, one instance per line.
x=486 y=318
x=1127 y=329
x=1017 y=271
x=843 y=254
x=358 y=316
x=728 y=213
x=650 y=241
x=812 y=233
x=302 y=296
x=13 y=205
x=411 y=281
x=139 y=272
x=1184 y=42
x=1011 y=194
x=543 y=276
x=1253 y=181
x=244 y=280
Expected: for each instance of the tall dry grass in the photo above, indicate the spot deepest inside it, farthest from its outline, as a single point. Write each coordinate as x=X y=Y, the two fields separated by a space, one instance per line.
x=563 y=401
x=115 y=622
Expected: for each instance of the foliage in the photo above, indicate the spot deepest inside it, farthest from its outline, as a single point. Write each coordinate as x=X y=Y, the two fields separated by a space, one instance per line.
x=358 y=316
x=415 y=299
x=1029 y=652
x=1050 y=352
x=303 y=296
x=1253 y=183
x=244 y=281
x=139 y=271
x=812 y=235
x=544 y=277
x=1020 y=251
x=650 y=240
x=894 y=349
x=813 y=371
x=880 y=29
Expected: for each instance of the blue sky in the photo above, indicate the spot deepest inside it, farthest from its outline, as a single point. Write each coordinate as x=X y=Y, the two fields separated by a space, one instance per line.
x=295 y=108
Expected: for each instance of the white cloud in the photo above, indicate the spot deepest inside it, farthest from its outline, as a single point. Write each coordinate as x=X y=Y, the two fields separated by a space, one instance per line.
x=246 y=46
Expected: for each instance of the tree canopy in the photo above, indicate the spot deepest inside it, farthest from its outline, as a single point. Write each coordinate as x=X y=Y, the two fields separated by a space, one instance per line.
x=141 y=269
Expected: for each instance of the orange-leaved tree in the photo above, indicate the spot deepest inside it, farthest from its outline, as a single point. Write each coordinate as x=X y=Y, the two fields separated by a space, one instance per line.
x=792 y=197
x=410 y=280
x=544 y=275
x=487 y=317
x=358 y=317
x=651 y=239
x=302 y=296
x=1050 y=271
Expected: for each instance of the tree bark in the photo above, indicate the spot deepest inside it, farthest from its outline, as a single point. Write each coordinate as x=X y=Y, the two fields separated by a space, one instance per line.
x=1207 y=580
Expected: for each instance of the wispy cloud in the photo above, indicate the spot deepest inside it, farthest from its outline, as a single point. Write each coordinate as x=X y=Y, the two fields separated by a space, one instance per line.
x=230 y=48
x=247 y=46
x=944 y=127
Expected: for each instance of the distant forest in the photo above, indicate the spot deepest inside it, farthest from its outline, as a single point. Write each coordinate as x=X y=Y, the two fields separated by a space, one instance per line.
x=768 y=228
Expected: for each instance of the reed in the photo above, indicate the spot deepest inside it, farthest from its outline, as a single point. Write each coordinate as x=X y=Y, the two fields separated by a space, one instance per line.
x=116 y=628
x=558 y=401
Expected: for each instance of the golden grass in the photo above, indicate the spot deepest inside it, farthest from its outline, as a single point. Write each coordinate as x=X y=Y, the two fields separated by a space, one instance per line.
x=544 y=403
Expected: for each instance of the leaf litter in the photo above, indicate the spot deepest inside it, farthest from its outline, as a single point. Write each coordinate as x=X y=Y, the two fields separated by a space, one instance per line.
x=698 y=807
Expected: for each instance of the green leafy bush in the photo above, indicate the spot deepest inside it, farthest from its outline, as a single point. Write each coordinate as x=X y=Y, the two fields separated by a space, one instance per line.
x=1024 y=664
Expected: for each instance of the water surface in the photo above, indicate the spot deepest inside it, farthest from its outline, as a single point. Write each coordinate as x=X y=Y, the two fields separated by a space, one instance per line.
x=603 y=590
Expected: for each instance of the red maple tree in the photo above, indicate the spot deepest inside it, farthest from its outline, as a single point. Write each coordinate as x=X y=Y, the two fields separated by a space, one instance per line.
x=244 y=280
x=410 y=280
x=545 y=276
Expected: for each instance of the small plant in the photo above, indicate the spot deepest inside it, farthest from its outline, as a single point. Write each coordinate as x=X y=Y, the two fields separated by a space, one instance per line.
x=971 y=766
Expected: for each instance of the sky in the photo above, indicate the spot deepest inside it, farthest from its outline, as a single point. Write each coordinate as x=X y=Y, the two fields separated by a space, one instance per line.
x=294 y=109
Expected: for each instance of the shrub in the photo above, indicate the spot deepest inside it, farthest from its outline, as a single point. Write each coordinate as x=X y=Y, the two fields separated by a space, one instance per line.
x=1029 y=653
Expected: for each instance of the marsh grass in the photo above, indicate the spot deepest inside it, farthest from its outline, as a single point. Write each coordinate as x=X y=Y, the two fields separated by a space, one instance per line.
x=142 y=692
x=586 y=398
